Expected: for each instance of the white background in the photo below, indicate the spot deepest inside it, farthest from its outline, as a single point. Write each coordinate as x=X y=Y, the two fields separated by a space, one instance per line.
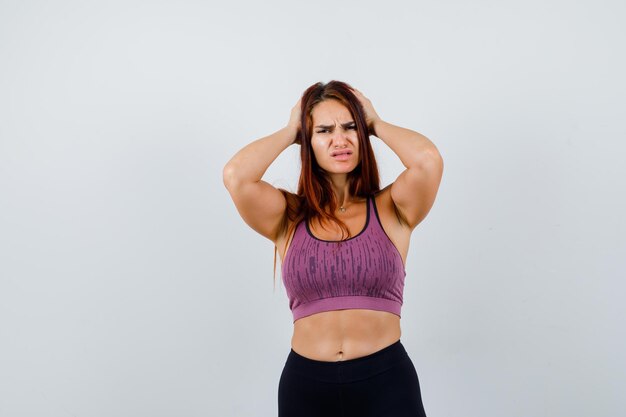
x=130 y=286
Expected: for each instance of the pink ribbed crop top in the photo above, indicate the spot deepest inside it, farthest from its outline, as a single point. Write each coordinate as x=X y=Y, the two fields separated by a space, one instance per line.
x=365 y=271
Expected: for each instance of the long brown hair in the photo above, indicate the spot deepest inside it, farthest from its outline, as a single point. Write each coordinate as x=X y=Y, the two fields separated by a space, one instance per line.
x=314 y=187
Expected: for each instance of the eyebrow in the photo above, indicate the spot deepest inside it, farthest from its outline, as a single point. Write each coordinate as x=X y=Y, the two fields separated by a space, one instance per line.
x=329 y=126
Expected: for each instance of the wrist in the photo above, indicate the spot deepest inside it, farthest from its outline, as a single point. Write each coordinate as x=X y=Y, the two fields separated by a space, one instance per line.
x=292 y=133
x=374 y=125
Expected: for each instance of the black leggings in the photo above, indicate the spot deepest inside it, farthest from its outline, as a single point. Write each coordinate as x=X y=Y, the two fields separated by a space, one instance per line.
x=382 y=384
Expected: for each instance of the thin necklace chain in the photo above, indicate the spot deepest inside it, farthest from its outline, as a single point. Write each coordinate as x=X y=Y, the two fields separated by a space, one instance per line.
x=343 y=208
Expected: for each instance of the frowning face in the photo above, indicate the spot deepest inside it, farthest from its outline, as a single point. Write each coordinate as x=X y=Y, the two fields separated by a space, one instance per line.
x=334 y=137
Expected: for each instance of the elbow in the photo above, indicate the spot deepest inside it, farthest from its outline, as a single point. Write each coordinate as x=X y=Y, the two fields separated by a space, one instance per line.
x=430 y=160
x=229 y=177
x=434 y=163
x=427 y=158
x=432 y=155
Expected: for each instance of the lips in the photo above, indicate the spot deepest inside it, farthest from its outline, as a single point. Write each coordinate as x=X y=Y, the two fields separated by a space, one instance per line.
x=342 y=152
x=342 y=155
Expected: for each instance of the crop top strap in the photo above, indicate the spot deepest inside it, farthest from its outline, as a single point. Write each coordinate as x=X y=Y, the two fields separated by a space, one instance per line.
x=374 y=217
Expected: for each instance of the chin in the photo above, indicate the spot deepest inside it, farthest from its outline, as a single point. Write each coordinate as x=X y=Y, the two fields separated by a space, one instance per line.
x=340 y=171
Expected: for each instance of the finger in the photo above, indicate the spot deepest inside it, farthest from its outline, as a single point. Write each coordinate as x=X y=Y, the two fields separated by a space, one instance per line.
x=360 y=94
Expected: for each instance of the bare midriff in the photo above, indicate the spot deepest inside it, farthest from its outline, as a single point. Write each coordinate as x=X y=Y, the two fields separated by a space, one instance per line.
x=340 y=335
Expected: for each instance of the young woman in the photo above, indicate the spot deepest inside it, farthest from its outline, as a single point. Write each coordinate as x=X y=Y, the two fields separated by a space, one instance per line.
x=343 y=243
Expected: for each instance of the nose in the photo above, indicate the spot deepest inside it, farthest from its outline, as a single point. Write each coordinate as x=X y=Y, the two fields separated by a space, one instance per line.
x=340 y=139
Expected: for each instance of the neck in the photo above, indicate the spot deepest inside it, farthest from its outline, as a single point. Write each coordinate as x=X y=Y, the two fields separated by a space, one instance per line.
x=341 y=188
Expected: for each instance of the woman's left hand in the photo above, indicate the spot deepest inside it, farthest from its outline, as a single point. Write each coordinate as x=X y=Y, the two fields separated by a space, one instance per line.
x=370 y=114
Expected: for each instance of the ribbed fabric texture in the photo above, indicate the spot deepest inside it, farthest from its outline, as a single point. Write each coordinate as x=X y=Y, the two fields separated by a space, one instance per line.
x=364 y=271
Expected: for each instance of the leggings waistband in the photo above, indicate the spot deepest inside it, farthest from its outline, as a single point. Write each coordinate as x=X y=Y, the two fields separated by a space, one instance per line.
x=348 y=370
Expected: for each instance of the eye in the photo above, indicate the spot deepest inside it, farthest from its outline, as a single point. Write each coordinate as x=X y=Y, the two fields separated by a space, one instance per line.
x=352 y=127
x=321 y=131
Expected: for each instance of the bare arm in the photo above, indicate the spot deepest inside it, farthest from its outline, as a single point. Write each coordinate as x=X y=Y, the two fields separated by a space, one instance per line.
x=261 y=205
x=414 y=191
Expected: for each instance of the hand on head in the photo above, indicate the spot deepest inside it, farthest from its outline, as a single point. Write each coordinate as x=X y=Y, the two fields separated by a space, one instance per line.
x=370 y=114
x=294 y=120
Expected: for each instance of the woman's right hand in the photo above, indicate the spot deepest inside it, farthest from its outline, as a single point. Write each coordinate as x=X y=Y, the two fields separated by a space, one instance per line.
x=294 y=120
